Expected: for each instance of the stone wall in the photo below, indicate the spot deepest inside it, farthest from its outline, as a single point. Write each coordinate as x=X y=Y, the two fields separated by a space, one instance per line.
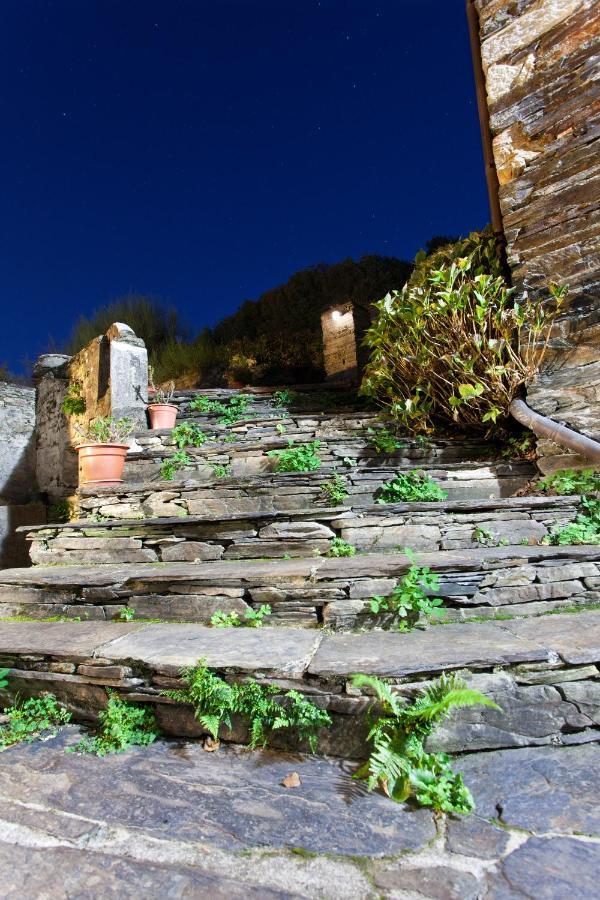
x=541 y=59
x=18 y=504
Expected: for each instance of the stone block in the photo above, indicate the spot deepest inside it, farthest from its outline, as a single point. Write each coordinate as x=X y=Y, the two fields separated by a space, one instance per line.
x=192 y=607
x=296 y=531
x=191 y=551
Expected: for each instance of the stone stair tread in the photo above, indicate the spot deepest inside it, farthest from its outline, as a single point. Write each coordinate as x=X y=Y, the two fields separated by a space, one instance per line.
x=299 y=654
x=86 y=524
x=363 y=565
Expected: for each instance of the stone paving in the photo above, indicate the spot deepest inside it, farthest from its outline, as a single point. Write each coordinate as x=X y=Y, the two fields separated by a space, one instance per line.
x=174 y=821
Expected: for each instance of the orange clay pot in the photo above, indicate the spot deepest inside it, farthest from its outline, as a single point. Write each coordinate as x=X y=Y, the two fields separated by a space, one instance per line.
x=101 y=463
x=162 y=415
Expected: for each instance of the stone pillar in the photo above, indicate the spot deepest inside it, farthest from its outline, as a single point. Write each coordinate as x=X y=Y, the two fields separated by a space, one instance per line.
x=112 y=372
x=343 y=327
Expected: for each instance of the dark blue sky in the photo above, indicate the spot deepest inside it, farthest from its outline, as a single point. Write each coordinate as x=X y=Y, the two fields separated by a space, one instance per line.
x=202 y=151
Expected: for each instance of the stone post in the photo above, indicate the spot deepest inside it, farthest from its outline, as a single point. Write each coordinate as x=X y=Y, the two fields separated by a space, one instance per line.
x=343 y=328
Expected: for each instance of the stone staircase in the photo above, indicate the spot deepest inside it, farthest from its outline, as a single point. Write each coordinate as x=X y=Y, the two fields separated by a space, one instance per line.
x=177 y=551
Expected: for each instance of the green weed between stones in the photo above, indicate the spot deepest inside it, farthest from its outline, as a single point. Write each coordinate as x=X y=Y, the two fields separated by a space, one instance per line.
x=409 y=599
x=335 y=490
x=384 y=441
x=398 y=762
x=126 y=614
x=584 y=530
x=215 y=702
x=340 y=547
x=74 y=403
x=412 y=486
x=253 y=618
x=229 y=412
x=571 y=481
x=28 y=719
x=284 y=398
x=122 y=725
x=219 y=470
x=172 y=464
x=297 y=457
x=187 y=434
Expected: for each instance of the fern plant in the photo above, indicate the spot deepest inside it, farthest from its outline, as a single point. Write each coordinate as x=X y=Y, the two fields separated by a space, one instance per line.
x=297 y=457
x=410 y=486
x=122 y=725
x=215 y=702
x=398 y=762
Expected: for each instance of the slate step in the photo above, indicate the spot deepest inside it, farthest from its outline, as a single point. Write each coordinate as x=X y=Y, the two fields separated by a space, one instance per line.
x=183 y=538
x=487 y=582
x=200 y=491
x=172 y=535
x=543 y=673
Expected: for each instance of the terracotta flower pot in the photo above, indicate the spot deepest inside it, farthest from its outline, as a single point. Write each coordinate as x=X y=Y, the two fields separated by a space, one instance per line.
x=101 y=463
x=162 y=415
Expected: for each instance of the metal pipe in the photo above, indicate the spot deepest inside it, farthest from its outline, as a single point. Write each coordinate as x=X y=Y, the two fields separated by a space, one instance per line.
x=554 y=431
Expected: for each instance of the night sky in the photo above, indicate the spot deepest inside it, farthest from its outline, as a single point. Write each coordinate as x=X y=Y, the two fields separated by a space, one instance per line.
x=202 y=152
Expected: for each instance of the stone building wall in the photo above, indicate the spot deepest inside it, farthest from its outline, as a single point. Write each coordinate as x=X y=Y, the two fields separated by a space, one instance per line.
x=541 y=60
x=18 y=504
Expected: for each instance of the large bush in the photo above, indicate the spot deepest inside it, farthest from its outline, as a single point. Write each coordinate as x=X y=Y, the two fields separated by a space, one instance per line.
x=454 y=346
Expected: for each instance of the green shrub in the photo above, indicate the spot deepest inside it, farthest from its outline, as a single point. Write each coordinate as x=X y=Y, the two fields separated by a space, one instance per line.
x=187 y=434
x=3 y=677
x=571 y=481
x=409 y=487
x=335 y=490
x=171 y=465
x=29 y=718
x=215 y=701
x=297 y=457
x=398 y=762
x=253 y=618
x=60 y=511
x=409 y=599
x=122 y=725
x=454 y=345
x=340 y=547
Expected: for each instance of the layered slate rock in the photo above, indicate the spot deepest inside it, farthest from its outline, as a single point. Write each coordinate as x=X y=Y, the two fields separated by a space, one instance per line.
x=545 y=696
x=486 y=582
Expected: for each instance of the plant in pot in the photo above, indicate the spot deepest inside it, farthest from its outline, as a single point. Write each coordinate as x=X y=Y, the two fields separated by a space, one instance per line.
x=102 y=450
x=161 y=412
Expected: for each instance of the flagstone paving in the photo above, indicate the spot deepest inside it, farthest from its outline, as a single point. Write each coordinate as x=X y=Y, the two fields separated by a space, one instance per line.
x=174 y=821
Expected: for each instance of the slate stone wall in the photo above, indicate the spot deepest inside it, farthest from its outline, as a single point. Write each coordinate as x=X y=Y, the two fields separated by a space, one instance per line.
x=541 y=59
x=17 y=471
